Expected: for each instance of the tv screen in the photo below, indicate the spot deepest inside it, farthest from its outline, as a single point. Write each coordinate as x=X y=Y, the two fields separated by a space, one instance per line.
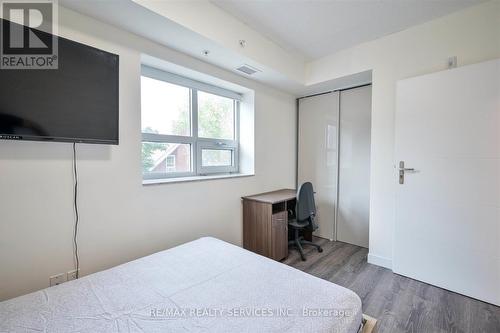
x=78 y=102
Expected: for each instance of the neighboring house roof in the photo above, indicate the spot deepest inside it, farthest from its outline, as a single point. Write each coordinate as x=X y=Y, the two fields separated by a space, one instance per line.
x=160 y=156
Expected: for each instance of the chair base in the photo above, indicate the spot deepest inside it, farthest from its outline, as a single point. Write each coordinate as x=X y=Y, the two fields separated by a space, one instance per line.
x=299 y=241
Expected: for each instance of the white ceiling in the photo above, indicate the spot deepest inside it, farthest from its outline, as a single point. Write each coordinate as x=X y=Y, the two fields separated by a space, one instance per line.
x=316 y=28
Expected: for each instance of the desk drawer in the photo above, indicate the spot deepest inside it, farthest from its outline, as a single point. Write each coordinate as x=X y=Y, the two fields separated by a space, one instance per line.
x=279 y=218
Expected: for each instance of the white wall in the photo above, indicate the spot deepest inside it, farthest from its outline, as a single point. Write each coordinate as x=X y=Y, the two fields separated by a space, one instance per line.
x=472 y=34
x=121 y=219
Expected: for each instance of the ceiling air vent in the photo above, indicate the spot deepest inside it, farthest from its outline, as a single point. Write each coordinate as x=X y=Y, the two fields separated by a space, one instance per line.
x=247 y=69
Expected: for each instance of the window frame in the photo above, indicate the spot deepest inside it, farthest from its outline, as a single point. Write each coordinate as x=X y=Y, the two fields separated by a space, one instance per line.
x=197 y=144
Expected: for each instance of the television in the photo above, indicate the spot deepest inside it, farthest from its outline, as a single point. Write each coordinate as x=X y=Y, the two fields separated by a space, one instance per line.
x=77 y=102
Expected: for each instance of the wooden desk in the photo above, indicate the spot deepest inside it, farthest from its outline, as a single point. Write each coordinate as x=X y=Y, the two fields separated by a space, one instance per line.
x=265 y=222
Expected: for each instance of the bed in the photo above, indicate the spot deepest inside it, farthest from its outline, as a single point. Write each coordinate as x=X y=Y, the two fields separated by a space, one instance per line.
x=206 y=285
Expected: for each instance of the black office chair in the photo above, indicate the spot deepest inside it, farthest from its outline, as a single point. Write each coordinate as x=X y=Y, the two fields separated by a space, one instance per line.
x=305 y=213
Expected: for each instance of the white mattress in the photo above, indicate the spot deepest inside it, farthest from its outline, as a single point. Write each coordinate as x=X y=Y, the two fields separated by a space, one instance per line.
x=203 y=286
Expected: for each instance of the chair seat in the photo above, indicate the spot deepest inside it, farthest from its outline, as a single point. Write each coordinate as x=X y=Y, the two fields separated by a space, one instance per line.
x=298 y=225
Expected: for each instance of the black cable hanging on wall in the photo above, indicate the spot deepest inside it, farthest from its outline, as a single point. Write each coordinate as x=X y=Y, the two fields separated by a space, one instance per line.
x=77 y=218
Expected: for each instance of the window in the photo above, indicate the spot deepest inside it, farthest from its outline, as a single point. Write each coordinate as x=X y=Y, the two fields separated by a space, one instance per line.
x=215 y=116
x=165 y=108
x=188 y=128
x=216 y=157
x=170 y=163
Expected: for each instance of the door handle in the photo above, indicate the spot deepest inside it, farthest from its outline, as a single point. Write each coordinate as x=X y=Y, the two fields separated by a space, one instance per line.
x=402 y=171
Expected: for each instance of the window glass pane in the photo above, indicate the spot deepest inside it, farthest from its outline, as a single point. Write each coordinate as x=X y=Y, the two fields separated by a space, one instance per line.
x=165 y=108
x=215 y=116
x=216 y=157
x=165 y=157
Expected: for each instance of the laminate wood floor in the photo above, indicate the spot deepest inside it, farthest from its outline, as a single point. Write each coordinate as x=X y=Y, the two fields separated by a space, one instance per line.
x=399 y=304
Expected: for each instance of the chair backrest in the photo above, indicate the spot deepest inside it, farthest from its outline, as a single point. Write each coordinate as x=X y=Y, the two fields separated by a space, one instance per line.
x=306 y=207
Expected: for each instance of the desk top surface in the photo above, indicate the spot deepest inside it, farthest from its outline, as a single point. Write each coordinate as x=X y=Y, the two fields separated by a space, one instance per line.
x=274 y=196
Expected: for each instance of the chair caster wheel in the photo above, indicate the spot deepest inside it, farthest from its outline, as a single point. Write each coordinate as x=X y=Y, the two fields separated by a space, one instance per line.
x=320 y=250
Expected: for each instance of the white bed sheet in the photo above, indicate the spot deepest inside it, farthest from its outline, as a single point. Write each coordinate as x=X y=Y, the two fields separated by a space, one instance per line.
x=202 y=286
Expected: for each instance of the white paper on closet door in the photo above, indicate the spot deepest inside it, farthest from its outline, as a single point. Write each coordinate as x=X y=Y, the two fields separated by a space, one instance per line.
x=331 y=145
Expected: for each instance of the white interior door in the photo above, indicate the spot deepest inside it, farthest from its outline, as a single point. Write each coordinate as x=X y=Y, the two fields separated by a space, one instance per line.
x=447 y=230
x=318 y=155
x=354 y=174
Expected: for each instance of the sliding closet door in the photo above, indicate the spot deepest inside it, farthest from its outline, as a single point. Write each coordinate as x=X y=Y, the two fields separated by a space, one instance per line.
x=354 y=173
x=317 y=156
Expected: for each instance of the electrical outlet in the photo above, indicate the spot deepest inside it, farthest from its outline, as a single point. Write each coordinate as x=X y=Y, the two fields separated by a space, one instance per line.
x=57 y=279
x=71 y=275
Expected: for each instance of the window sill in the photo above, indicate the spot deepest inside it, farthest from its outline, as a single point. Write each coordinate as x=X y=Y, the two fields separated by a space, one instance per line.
x=193 y=178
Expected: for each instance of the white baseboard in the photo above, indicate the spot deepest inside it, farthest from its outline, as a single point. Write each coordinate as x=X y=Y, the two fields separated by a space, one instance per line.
x=380 y=261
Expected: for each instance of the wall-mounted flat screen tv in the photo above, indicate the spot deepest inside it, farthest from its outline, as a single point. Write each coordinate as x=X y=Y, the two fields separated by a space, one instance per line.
x=77 y=102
